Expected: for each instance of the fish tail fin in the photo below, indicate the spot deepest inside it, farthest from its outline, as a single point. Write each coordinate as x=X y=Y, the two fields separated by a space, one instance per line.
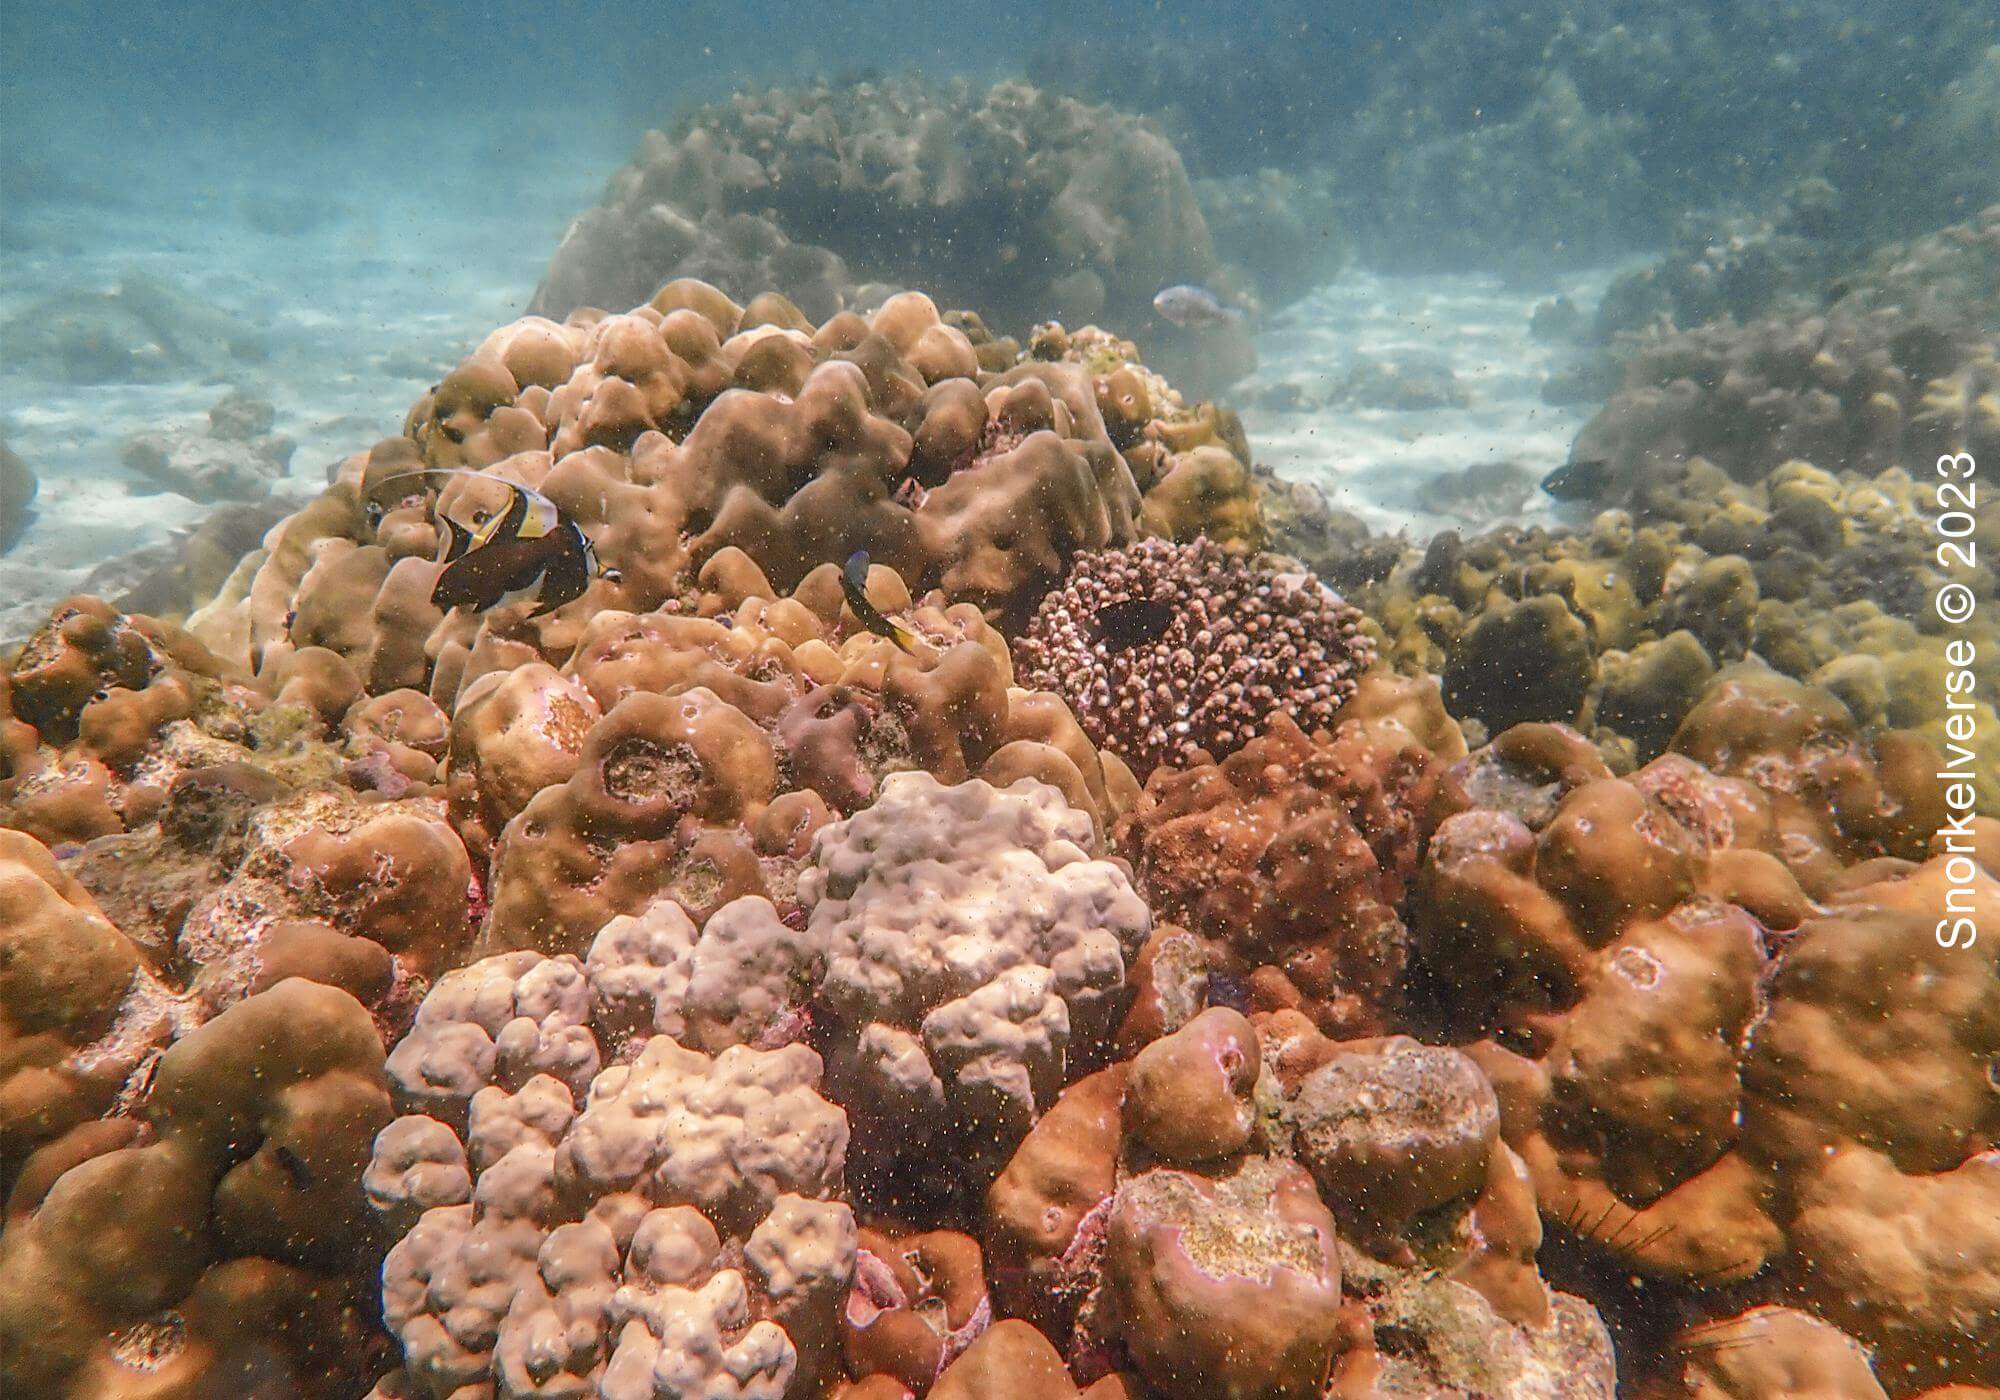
x=903 y=637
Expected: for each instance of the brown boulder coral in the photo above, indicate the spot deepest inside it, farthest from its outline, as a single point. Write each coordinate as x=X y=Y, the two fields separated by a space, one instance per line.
x=697 y=755
x=1698 y=1071
x=615 y=1213
x=219 y=1236
x=1169 y=650
x=1290 y=859
x=79 y=1009
x=690 y=425
x=1022 y=202
x=1854 y=388
x=1205 y=1256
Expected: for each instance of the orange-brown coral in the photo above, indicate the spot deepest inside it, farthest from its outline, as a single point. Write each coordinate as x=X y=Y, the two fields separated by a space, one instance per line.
x=692 y=425
x=727 y=741
x=219 y=1236
x=1290 y=859
x=1710 y=1076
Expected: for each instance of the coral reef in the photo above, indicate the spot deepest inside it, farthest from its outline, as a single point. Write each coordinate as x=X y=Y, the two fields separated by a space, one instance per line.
x=698 y=756
x=691 y=425
x=217 y=1238
x=1224 y=1174
x=1290 y=859
x=1690 y=1052
x=1171 y=650
x=969 y=938
x=1621 y=626
x=764 y=977
x=586 y=1204
x=140 y=331
x=1585 y=128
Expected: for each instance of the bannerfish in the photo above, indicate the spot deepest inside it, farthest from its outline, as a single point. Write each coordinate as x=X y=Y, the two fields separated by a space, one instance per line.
x=528 y=551
x=854 y=583
x=1578 y=481
x=1188 y=305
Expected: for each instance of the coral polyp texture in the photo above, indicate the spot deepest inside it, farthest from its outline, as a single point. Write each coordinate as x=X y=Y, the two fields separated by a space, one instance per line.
x=692 y=425
x=1290 y=860
x=590 y=1207
x=1171 y=650
x=969 y=937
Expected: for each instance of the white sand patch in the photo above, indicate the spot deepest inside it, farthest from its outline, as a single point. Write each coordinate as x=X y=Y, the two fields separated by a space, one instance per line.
x=1373 y=461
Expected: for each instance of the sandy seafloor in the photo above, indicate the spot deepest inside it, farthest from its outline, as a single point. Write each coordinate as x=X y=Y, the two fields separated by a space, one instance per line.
x=1374 y=461
x=399 y=255
x=406 y=252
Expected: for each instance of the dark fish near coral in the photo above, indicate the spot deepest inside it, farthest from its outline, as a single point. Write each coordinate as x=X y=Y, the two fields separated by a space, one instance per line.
x=528 y=551
x=854 y=583
x=1132 y=623
x=1578 y=481
x=1188 y=305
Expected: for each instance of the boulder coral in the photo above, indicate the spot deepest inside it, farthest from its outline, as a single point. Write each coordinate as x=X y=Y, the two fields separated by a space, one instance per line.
x=970 y=937
x=691 y=426
x=1622 y=625
x=1224 y=1174
x=218 y=1239
x=1290 y=860
x=698 y=754
x=1692 y=1056
x=1027 y=204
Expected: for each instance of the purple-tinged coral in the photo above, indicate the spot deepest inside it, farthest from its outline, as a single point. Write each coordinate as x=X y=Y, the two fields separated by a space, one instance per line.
x=1166 y=649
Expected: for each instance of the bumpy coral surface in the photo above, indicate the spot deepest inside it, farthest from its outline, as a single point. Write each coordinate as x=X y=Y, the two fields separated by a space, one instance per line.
x=970 y=937
x=1290 y=859
x=1029 y=205
x=690 y=425
x=1693 y=1058
x=218 y=1235
x=1205 y=1181
x=586 y=1202
x=1172 y=650
x=697 y=755
x=1621 y=628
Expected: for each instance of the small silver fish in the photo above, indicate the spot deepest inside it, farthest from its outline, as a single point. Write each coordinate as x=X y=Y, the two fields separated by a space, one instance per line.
x=1188 y=305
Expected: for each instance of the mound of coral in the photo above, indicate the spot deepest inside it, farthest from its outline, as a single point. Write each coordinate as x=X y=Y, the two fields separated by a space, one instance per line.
x=1620 y=626
x=692 y=426
x=1029 y=205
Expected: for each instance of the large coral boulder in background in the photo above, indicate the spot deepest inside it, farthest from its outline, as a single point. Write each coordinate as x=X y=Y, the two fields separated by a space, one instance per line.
x=1031 y=206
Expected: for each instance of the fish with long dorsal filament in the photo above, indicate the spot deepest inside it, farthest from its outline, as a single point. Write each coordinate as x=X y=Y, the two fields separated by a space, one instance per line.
x=529 y=551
